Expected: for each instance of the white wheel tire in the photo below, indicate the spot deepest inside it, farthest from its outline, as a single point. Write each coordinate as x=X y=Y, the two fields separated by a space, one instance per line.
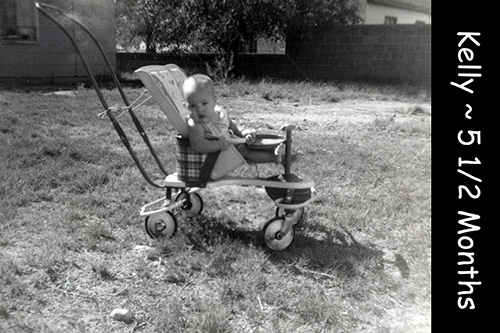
x=274 y=240
x=161 y=225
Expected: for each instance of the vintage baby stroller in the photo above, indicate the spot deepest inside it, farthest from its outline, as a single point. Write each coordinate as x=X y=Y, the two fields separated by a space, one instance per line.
x=194 y=172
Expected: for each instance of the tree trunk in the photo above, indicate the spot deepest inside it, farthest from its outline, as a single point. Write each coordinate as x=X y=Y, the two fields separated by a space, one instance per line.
x=150 y=43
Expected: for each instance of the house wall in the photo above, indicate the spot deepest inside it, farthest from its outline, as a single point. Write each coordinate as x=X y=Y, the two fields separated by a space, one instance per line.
x=266 y=46
x=53 y=56
x=375 y=14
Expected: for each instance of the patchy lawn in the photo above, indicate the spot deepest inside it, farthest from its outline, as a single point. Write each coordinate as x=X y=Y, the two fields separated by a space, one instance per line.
x=73 y=247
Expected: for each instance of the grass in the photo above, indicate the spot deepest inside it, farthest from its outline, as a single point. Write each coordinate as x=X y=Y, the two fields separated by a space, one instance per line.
x=73 y=247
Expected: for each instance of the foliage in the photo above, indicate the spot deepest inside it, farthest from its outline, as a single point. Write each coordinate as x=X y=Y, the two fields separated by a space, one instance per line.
x=313 y=13
x=220 y=70
x=158 y=23
x=222 y=25
x=307 y=14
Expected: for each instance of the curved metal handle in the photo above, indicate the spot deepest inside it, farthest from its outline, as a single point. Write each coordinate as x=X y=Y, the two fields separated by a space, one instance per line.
x=93 y=81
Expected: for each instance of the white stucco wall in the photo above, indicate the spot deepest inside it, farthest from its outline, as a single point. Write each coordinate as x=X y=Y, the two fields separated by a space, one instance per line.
x=52 y=55
x=375 y=14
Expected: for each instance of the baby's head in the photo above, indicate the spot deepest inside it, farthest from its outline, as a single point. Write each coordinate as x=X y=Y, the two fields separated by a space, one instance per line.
x=199 y=94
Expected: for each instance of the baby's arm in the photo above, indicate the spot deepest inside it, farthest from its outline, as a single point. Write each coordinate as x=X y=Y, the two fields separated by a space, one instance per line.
x=249 y=135
x=235 y=129
x=203 y=145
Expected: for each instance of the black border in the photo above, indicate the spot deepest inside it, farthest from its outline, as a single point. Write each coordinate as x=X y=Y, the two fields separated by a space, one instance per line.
x=448 y=118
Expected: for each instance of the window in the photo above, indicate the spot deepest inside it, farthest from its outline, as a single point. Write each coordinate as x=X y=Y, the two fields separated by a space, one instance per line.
x=18 y=20
x=390 y=20
x=419 y=22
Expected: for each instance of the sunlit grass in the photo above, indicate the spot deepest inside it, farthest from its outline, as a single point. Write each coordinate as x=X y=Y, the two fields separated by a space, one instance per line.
x=328 y=91
x=73 y=248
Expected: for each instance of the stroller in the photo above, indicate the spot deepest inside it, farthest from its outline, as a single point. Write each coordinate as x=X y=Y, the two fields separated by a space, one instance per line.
x=194 y=171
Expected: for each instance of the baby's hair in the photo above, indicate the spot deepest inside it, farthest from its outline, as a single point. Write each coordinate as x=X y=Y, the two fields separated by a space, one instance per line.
x=198 y=82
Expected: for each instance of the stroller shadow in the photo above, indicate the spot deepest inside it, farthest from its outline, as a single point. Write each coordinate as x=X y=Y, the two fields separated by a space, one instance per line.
x=329 y=253
x=316 y=249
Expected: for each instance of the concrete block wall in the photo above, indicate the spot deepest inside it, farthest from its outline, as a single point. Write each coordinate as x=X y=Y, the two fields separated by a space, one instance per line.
x=388 y=53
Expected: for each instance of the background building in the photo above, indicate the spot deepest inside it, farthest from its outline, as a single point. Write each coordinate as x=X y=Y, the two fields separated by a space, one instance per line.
x=395 y=11
x=371 y=12
x=34 y=48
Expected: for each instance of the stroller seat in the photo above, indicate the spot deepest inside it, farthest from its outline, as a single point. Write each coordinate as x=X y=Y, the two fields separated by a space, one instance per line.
x=164 y=83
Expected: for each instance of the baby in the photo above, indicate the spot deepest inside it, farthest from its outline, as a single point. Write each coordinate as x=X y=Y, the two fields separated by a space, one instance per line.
x=211 y=129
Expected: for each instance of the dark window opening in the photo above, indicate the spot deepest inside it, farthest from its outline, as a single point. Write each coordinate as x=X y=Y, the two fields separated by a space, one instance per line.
x=390 y=20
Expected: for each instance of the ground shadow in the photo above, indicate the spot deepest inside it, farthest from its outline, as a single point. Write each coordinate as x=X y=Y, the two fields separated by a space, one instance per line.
x=316 y=249
x=329 y=252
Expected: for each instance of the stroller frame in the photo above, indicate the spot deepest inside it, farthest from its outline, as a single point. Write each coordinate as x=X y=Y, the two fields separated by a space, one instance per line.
x=290 y=193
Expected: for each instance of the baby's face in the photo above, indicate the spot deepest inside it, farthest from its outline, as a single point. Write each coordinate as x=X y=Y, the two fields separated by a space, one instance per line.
x=201 y=106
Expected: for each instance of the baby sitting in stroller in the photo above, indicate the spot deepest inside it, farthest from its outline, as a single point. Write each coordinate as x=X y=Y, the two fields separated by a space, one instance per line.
x=211 y=129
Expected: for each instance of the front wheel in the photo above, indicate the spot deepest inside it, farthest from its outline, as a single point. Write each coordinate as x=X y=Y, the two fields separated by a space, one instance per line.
x=161 y=225
x=274 y=238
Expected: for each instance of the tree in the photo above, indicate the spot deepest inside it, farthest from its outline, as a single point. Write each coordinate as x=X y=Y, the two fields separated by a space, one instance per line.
x=311 y=13
x=124 y=25
x=307 y=14
x=222 y=25
x=157 y=23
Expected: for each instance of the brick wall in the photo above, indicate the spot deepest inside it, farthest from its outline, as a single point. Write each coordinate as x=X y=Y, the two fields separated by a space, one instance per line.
x=381 y=53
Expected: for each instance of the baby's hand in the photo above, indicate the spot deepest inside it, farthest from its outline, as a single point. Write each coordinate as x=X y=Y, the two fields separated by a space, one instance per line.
x=250 y=136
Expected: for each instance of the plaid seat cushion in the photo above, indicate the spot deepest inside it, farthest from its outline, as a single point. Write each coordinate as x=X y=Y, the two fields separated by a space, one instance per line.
x=189 y=161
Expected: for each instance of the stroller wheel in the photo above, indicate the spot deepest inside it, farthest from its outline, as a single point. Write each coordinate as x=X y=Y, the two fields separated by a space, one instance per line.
x=298 y=214
x=273 y=236
x=193 y=204
x=161 y=225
